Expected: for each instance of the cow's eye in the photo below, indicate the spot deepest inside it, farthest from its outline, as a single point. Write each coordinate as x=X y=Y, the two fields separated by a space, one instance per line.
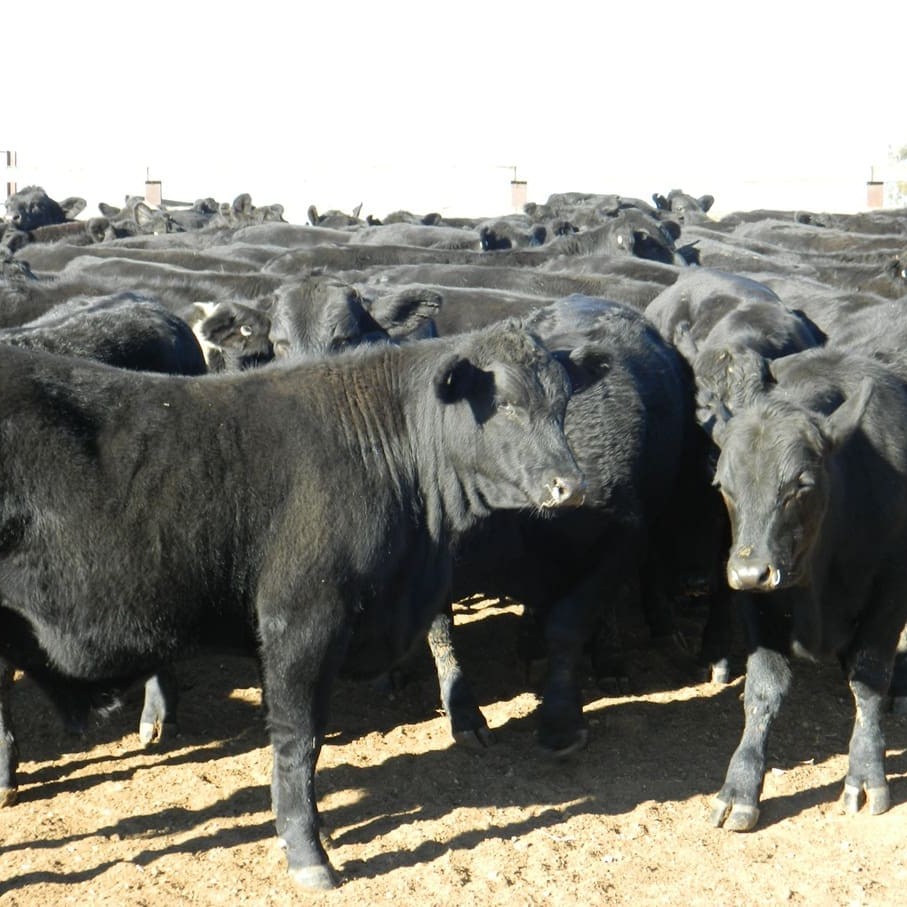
x=509 y=409
x=805 y=481
x=800 y=489
x=245 y=330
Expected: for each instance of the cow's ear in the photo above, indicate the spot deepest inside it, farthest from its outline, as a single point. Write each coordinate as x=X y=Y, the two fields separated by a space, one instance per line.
x=108 y=210
x=455 y=379
x=407 y=312
x=584 y=365
x=72 y=207
x=144 y=215
x=844 y=421
x=706 y=202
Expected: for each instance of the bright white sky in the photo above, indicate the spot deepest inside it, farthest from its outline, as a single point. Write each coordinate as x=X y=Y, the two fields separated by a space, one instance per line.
x=429 y=106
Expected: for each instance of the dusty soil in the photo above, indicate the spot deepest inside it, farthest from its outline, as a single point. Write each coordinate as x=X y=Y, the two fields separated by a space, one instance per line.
x=416 y=819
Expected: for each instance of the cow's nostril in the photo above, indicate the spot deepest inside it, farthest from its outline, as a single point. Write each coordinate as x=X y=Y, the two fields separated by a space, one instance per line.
x=564 y=492
x=751 y=576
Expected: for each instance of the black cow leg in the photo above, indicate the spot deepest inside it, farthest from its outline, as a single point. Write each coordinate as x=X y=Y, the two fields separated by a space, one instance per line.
x=159 y=708
x=869 y=681
x=561 y=726
x=736 y=806
x=607 y=649
x=467 y=723
x=718 y=632
x=569 y=626
x=9 y=754
x=897 y=692
x=299 y=665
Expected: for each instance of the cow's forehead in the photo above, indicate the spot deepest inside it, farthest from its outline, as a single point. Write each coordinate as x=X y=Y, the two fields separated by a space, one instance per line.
x=766 y=440
x=518 y=359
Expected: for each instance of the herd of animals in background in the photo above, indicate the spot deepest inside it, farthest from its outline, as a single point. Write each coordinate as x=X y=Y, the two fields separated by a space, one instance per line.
x=585 y=407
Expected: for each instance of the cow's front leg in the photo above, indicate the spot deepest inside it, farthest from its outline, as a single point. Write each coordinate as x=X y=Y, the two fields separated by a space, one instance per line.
x=736 y=806
x=299 y=665
x=9 y=754
x=869 y=680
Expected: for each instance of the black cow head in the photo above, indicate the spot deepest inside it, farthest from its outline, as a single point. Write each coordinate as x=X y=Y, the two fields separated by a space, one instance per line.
x=32 y=207
x=321 y=314
x=503 y=399
x=774 y=473
x=232 y=336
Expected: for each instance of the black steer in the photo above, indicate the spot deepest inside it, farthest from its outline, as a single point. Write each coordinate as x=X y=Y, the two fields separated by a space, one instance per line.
x=815 y=480
x=727 y=327
x=232 y=336
x=119 y=549
x=32 y=207
x=128 y=330
x=630 y=424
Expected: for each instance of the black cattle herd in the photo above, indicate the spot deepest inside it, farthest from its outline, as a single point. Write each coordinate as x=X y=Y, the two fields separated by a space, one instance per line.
x=220 y=428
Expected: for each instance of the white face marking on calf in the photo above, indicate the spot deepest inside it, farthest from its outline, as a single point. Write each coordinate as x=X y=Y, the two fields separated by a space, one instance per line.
x=205 y=310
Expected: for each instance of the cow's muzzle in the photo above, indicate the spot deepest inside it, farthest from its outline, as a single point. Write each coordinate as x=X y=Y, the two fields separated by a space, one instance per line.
x=564 y=492
x=747 y=574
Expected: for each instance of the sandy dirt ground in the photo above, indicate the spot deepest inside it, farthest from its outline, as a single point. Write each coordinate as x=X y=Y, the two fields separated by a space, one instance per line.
x=416 y=819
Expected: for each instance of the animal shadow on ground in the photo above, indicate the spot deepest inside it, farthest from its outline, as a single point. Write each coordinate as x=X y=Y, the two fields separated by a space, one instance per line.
x=667 y=742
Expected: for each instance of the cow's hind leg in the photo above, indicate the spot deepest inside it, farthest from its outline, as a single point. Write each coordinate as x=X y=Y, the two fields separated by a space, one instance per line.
x=159 y=708
x=570 y=625
x=467 y=723
x=9 y=754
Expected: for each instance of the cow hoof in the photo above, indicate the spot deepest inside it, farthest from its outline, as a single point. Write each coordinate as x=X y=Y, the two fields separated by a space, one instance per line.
x=8 y=796
x=580 y=742
x=878 y=799
x=154 y=732
x=734 y=816
x=317 y=878
x=149 y=732
x=720 y=672
x=479 y=738
x=853 y=798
